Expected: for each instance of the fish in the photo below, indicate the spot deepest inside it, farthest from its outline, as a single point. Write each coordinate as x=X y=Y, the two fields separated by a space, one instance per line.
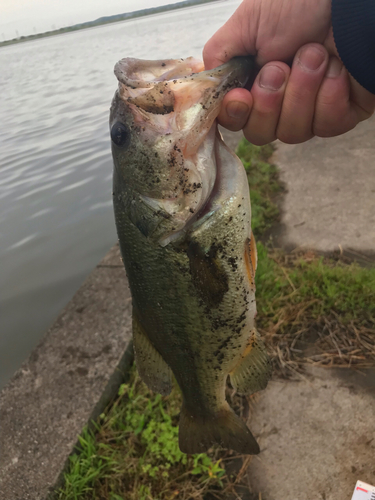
x=183 y=217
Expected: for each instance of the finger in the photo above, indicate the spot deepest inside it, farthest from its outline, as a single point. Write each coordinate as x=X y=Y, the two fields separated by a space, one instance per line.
x=297 y=113
x=362 y=99
x=235 y=109
x=335 y=111
x=334 y=114
x=268 y=93
x=229 y=41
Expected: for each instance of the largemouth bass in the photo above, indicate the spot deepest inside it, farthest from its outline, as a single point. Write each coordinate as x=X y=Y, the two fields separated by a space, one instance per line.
x=182 y=211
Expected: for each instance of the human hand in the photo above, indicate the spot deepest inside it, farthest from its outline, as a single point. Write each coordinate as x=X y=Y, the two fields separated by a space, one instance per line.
x=315 y=96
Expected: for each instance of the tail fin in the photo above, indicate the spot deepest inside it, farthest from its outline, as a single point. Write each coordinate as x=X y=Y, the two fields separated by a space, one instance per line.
x=198 y=434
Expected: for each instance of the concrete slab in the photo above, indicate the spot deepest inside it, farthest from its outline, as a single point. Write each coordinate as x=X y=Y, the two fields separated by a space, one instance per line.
x=68 y=379
x=317 y=436
x=330 y=198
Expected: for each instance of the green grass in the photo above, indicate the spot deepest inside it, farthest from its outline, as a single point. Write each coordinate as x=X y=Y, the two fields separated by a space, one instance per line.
x=329 y=286
x=133 y=454
x=311 y=310
x=314 y=310
x=264 y=185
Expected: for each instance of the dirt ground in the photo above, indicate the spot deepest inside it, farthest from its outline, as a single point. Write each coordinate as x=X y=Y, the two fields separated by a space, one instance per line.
x=317 y=436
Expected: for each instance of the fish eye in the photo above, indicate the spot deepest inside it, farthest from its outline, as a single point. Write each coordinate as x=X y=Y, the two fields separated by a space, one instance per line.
x=120 y=134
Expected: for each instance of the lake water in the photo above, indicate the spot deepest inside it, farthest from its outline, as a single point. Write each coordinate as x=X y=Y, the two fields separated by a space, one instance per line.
x=56 y=219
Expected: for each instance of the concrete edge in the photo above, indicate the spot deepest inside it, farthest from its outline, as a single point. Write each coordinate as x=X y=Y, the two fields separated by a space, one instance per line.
x=66 y=382
x=120 y=376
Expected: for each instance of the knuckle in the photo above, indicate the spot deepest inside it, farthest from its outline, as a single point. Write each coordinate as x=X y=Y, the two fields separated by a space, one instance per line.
x=231 y=125
x=291 y=137
x=286 y=136
x=321 y=130
x=364 y=114
x=334 y=116
x=260 y=132
x=299 y=96
x=260 y=141
x=330 y=128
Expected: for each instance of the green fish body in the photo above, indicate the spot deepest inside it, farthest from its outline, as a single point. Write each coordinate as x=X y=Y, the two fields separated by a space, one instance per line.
x=183 y=217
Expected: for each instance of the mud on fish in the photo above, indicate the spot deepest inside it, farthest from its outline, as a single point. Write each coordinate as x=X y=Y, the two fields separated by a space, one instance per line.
x=183 y=218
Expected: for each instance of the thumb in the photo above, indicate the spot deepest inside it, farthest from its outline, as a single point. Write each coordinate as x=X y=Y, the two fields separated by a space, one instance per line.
x=228 y=41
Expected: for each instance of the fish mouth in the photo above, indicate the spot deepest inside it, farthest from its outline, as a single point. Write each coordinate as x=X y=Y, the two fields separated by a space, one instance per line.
x=144 y=74
x=174 y=105
x=179 y=95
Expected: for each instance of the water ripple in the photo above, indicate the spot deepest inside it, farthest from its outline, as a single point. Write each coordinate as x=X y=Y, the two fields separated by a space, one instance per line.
x=75 y=185
x=21 y=242
x=56 y=167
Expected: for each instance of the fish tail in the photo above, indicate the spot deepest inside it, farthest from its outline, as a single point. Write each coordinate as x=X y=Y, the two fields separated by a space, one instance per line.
x=197 y=434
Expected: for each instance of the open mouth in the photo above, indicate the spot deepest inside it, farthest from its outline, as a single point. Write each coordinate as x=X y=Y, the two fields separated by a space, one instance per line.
x=175 y=103
x=181 y=87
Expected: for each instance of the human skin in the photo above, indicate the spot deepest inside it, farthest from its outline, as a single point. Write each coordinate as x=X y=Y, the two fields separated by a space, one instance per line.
x=302 y=88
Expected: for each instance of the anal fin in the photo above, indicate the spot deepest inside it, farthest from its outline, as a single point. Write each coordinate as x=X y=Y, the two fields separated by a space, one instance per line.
x=254 y=369
x=152 y=368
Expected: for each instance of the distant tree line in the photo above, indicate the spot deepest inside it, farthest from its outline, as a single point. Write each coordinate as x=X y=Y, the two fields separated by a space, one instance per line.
x=109 y=19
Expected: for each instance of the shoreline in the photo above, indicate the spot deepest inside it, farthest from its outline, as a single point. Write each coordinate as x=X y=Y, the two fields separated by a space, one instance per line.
x=129 y=16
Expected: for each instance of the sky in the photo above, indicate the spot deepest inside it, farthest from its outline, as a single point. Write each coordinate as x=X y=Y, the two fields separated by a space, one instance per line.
x=25 y=17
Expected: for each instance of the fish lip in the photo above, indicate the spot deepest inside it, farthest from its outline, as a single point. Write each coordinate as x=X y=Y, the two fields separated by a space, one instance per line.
x=237 y=70
x=127 y=70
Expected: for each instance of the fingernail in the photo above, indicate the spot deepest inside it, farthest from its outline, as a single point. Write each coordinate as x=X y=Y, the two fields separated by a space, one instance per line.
x=311 y=58
x=334 y=68
x=271 y=78
x=238 y=110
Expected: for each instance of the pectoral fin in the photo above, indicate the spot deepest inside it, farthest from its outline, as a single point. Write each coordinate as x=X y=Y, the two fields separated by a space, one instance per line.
x=208 y=274
x=152 y=368
x=254 y=370
x=146 y=215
